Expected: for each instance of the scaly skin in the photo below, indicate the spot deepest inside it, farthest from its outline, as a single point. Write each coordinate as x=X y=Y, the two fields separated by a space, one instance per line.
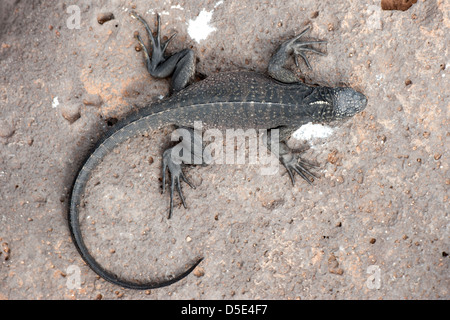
x=225 y=100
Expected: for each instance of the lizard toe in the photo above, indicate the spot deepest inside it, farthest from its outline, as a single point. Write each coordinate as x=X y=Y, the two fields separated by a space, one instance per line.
x=294 y=164
x=174 y=166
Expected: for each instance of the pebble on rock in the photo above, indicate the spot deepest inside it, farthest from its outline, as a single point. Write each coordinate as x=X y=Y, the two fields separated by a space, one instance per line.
x=71 y=112
x=6 y=129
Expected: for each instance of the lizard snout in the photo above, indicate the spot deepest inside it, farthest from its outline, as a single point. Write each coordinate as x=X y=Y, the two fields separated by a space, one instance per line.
x=348 y=102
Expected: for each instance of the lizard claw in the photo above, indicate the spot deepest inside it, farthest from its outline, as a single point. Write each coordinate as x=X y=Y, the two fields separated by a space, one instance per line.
x=158 y=48
x=295 y=164
x=180 y=65
x=296 y=48
x=300 y=47
x=174 y=167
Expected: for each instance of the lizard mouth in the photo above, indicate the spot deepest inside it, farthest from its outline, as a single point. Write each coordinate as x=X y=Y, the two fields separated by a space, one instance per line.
x=348 y=102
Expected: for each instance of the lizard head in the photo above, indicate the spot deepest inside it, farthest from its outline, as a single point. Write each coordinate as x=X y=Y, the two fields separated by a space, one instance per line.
x=347 y=102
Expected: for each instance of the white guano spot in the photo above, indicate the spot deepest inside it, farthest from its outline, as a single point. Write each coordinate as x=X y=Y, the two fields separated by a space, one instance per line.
x=379 y=77
x=161 y=13
x=177 y=7
x=55 y=102
x=200 y=28
x=312 y=131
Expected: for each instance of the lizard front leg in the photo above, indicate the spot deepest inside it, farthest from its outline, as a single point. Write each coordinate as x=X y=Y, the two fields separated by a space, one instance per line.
x=290 y=47
x=288 y=157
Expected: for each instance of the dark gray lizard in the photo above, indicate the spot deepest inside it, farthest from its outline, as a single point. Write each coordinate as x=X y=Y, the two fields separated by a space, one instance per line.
x=225 y=100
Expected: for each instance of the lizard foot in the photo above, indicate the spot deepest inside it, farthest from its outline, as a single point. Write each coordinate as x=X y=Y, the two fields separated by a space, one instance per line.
x=158 y=48
x=293 y=163
x=300 y=47
x=173 y=165
x=294 y=47
x=181 y=65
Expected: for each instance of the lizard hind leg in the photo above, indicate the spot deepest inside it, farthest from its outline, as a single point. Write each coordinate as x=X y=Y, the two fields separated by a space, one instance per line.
x=190 y=150
x=180 y=65
x=172 y=164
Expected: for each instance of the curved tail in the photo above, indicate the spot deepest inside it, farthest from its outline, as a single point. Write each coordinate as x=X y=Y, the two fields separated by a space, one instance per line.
x=74 y=225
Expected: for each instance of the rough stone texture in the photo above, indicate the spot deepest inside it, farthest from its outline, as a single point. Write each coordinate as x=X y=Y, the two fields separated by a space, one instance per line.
x=375 y=226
